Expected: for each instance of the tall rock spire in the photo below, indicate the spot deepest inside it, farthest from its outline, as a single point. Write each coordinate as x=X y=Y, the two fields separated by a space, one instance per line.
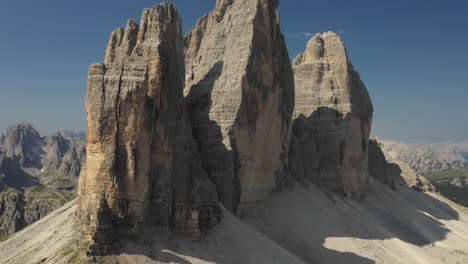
x=332 y=118
x=143 y=166
x=240 y=95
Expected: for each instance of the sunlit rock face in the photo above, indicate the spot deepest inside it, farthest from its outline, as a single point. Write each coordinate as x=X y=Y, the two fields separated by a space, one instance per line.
x=332 y=118
x=239 y=92
x=143 y=166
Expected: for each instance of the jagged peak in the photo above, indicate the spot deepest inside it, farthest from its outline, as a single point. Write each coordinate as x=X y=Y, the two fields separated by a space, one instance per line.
x=20 y=131
x=323 y=46
x=125 y=42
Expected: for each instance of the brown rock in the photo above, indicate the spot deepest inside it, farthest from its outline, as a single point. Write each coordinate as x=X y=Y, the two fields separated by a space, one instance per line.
x=240 y=95
x=142 y=162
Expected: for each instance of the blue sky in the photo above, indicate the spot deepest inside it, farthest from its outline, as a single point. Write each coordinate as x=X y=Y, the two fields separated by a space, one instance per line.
x=412 y=55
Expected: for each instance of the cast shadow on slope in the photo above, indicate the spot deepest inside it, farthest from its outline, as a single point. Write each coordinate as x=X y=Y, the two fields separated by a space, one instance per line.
x=14 y=175
x=302 y=220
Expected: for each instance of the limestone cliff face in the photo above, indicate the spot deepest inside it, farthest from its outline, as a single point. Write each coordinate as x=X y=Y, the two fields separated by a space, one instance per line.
x=332 y=118
x=240 y=96
x=142 y=162
x=11 y=212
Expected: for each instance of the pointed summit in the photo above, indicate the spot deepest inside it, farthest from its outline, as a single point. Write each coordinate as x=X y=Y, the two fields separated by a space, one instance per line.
x=333 y=118
x=240 y=95
x=143 y=167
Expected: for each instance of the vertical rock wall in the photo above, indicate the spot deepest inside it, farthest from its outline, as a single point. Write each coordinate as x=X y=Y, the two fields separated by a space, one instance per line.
x=240 y=96
x=332 y=118
x=143 y=166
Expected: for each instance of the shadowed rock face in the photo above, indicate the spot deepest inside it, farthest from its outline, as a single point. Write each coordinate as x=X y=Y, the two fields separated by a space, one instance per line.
x=379 y=168
x=239 y=92
x=333 y=116
x=23 y=143
x=394 y=173
x=143 y=166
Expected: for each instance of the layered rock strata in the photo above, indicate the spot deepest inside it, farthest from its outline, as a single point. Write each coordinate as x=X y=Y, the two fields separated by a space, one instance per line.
x=143 y=167
x=239 y=92
x=332 y=118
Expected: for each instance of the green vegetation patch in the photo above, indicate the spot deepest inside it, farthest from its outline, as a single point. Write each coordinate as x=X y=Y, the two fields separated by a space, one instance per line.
x=3 y=238
x=449 y=174
x=72 y=255
x=44 y=192
x=39 y=189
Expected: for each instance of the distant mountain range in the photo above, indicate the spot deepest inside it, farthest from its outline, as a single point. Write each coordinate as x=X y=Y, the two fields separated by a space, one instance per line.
x=428 y=157
x=37 y=174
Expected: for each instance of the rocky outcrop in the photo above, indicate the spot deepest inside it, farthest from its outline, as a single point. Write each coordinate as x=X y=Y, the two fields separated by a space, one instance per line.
x=394 y=173
x=410 y=177
x=2 y=171
x=20 y=208
x=143 y=167
x=379 y=168
x=332 y=118
x=12 y=175
x=63 y=156
x=239 y=92
x=11 y=213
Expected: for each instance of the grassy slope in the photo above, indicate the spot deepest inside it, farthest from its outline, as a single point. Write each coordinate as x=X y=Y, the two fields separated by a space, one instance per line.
x=449 y=174
x=441 y=180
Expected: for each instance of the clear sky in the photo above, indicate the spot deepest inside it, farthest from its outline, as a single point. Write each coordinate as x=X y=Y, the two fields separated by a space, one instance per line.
x=412 y=55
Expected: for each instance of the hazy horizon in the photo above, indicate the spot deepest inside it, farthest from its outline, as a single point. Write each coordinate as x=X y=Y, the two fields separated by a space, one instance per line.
x=411 y=56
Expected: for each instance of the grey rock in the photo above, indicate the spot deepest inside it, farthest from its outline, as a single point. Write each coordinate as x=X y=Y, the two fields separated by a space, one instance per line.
x=332 y=118
x=411 y=178
x=239 y=92
x=394 y=173
x=11 y=213
x=63 y=156
x=379 y=168
x=24 y=144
